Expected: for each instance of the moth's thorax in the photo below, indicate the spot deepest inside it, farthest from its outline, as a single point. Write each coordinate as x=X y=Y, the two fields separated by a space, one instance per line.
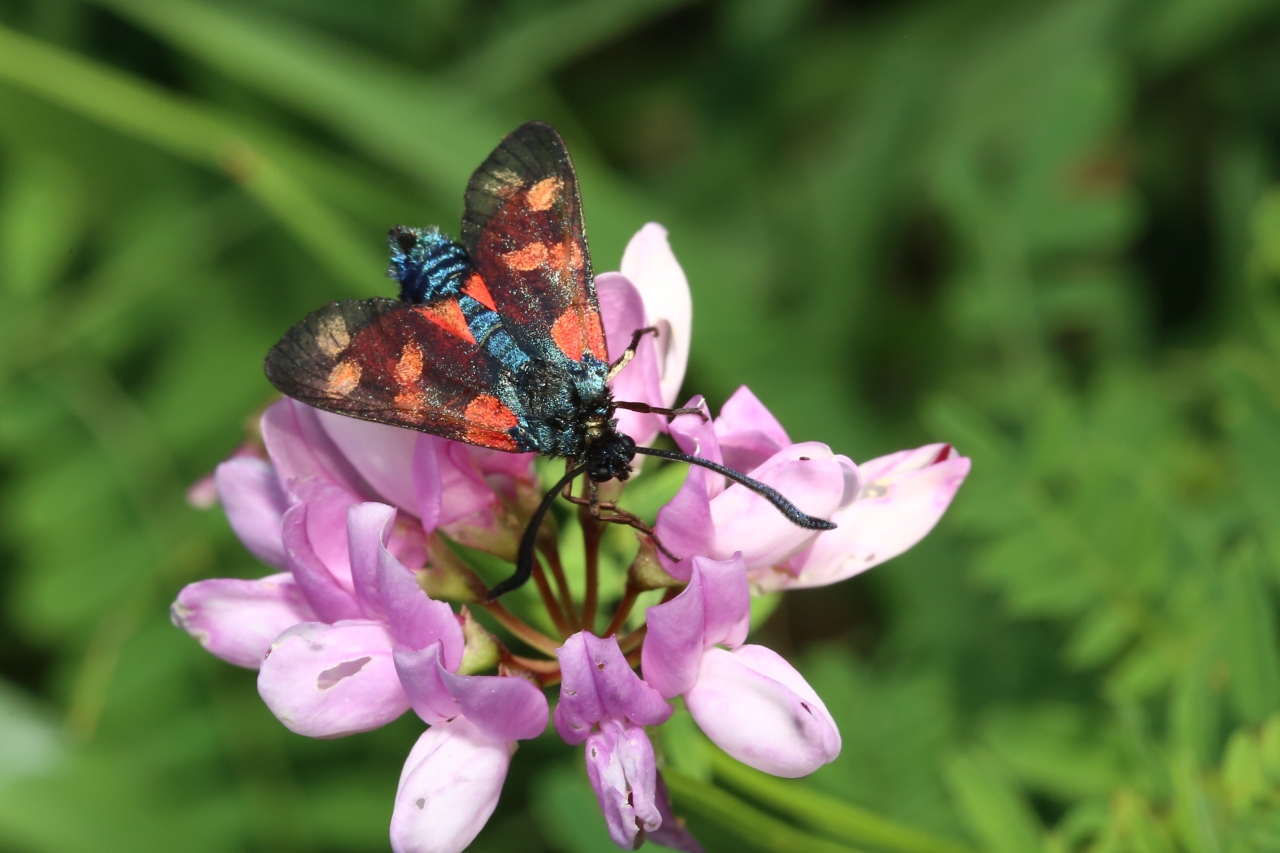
x=569 y=413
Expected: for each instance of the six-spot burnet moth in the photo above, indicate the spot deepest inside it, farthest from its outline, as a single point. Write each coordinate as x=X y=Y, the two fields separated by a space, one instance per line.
x=496 y=340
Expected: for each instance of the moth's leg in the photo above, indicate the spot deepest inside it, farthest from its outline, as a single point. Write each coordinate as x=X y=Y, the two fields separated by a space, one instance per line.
x=645 y=408
x=567 y=491
x=621 y=516
x=630 y=352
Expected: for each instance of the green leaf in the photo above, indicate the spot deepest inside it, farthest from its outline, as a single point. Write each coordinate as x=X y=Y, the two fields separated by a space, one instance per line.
x=996 y=811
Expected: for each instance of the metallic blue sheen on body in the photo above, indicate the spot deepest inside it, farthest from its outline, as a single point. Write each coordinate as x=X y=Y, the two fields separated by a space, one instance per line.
x=552 y=396
x=428 y=265
x=486 y=328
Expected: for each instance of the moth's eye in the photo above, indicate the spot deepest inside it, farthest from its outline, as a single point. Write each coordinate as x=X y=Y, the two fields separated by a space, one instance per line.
x=404 y=238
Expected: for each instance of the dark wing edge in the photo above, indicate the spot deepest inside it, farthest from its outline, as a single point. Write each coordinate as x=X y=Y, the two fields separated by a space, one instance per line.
x=533 y=151
x=343 y=357
x=500 y=219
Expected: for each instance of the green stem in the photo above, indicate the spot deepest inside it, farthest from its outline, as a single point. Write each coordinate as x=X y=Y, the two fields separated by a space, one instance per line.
x=736 y=816
x=826 y=813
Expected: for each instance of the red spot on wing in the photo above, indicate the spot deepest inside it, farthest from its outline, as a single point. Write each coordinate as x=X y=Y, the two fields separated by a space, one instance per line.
x=578 y=329
x=490 y=419
x=595 y=335
x=476 y=289
x=447 y=315
x=567 y=333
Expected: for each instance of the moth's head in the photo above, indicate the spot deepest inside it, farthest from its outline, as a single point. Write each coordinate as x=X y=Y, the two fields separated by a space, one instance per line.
x=609 y=456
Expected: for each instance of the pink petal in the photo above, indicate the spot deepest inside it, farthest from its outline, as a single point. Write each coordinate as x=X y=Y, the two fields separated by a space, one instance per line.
x=622 y=771
x=808 y=475
x=757 y=708
x=416 y=620
x=684 y=525
x=448 y=789
x=237 y=619
x=381 y=454
x=673 y=644
x=622 y=310
x=428 y=486
x=254 y=503
x=697 y=437
x=652 y=267
x=300 y=448
x=892 y=513
x=748 y=432
x=464 y=488
x=597 y=684
x=714 y=608
x=332 y=680
x=330 y=600
x=326 y=527
x=368 y=528
x=503 y=707
x=421 y=676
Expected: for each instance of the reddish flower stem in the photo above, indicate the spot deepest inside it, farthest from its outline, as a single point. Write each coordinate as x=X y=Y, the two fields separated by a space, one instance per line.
x=633 y=640
x=518 y=628
x=549 y=601
x=623 y=611
x=552 y=555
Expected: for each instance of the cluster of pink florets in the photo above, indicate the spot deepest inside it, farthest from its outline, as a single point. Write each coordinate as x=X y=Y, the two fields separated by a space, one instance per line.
x=355 y=629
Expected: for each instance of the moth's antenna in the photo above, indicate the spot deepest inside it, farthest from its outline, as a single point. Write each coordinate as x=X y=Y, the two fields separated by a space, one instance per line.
x=524 y=557
x=772 y=495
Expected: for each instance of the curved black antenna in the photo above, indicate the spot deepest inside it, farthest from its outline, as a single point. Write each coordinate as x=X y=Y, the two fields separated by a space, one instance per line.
x=524 y=557
x=772 y=495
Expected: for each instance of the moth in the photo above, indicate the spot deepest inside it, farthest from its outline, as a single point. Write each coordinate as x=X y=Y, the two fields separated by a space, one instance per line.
x=496 y=340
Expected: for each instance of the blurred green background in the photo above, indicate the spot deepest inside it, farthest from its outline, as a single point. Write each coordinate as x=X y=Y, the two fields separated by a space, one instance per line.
x=1045 y=230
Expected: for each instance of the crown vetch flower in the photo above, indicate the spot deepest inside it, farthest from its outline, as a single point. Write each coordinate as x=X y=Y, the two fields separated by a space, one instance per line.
x=604 y=703
x=883 y=506
x=353 y=628
x=746 y=698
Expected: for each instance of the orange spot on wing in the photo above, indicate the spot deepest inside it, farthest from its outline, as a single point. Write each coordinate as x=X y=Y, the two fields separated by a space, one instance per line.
x=595 y=336
x=448 y=315
x=476 y=289
x=344 y=378
x=567 y=333
x=529 y=258
x=556 y=256
x=412 y=400
x=543 y=194
x=491 y=419
x=409 y=367
x=575 y=254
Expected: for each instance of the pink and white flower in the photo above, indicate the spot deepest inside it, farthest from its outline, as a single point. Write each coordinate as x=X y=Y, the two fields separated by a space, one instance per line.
x=351 y=515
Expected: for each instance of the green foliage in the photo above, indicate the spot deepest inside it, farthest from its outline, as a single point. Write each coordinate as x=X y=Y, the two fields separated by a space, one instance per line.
x=1048 y=232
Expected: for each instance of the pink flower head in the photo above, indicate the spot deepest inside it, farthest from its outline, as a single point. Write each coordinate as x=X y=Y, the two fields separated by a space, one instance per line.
x=747 y=699
x=712 y=518
x=901 y=497
x=603 y=702
x=650 y=291
x=880 y=509
x=351 y=514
